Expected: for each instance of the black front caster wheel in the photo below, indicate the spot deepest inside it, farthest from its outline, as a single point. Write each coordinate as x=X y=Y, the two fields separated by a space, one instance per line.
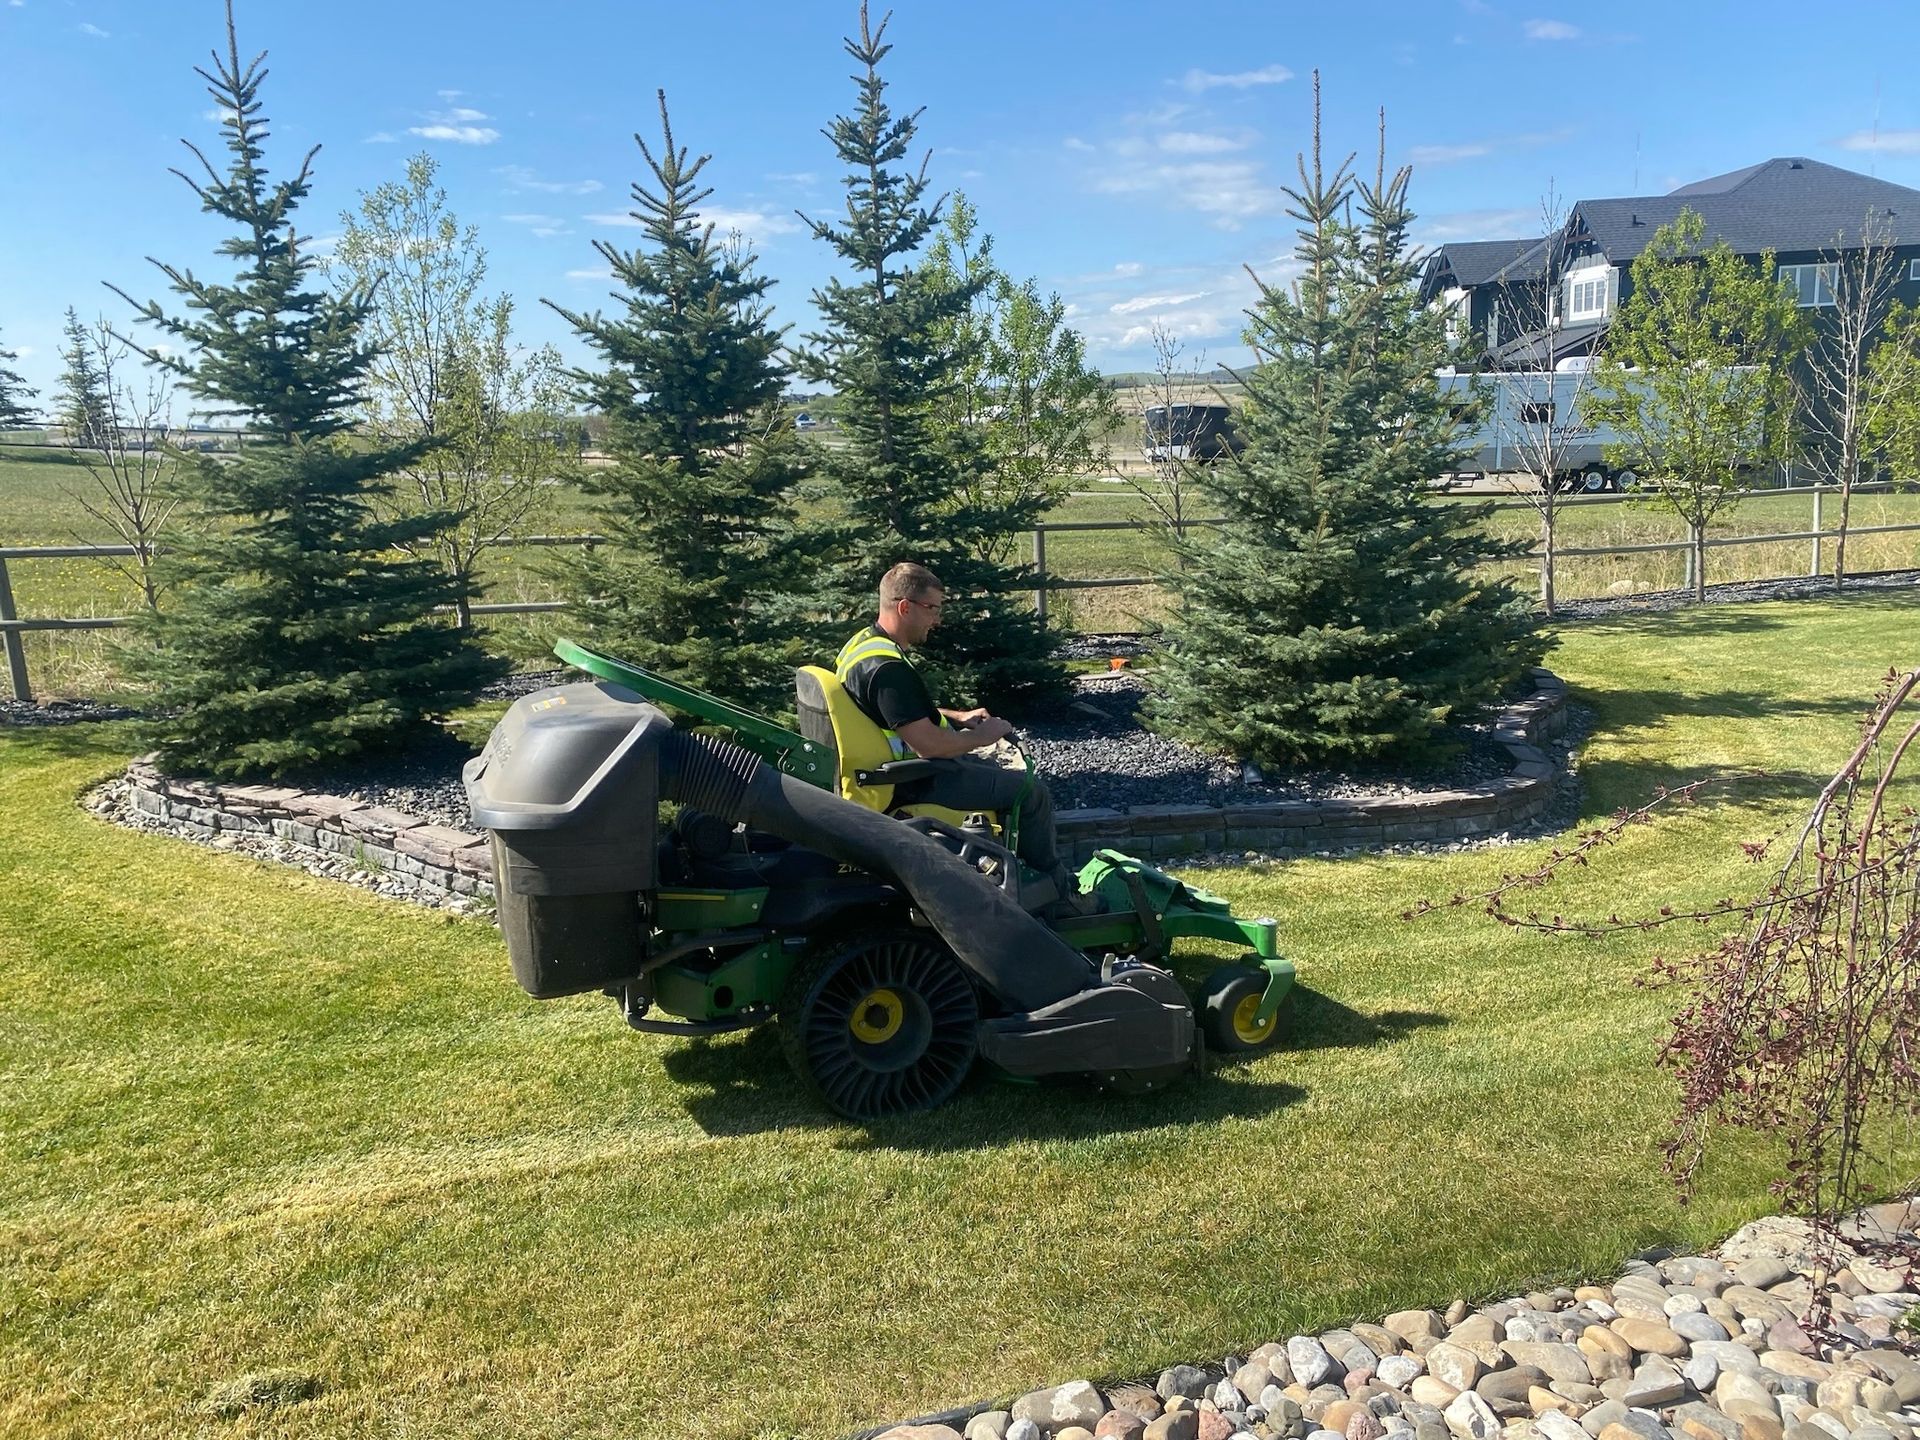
x=1228 y=1003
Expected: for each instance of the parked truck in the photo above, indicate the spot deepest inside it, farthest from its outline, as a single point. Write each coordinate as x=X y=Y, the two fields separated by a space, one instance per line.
x=1533 y=416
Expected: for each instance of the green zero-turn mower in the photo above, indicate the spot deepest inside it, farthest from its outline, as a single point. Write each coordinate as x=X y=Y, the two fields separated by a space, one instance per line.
x=892 y=953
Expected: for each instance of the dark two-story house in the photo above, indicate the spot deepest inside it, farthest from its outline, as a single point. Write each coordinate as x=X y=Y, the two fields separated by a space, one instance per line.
x=1805 y=213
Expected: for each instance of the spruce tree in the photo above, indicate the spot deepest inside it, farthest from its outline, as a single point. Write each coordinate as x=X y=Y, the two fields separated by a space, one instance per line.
x=295 y=635
x=14 y=394
x=907 y=486
x=698 y=580
x=85 y=407
x=1342 y=611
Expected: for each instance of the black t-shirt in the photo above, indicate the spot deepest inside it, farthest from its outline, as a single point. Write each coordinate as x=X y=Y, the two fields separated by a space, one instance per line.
x=890 y=692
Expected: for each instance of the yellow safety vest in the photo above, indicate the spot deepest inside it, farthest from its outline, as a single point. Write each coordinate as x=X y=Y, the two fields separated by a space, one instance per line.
x=870 y=646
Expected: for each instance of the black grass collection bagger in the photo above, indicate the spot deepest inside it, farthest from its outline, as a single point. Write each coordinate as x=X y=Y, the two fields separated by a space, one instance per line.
x=892 y=951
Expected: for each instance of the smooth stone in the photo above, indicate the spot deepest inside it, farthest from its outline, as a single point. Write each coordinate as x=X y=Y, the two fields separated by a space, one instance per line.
x=1833 y=1425
x=1756 y=1304
x=1559 y=1361
x=1735 y=1388
x=1177 y=1425
x=1409 y=1323
x=1703 y=1422
x=1251 y=1378
x=1178 y=1403
x=1379 y=1339
x=1073 y=1432
x=922 y=1432
x=1540 y=1400
x=1228 y=1396
x=1698 y=1326
x=1311 y=1363
x=1600 y=1340
x=1320 y=1398
x=1649 y=1337
x=1763 y=1271
x=1454 y=1365
x=1336 y=1416
x=1724 y=1313
x=990 y=1425
x=1837 y=1392
x=1135 y=1400
x=1644 y=1424
x=1399 y=1370
x=1483 y=1326
x=1456 y=1312
x=1649 y=1391
x=1471 y=1418
x=1078 y=1402
x=1555 y=1426
x=1684 y=1305
x=1607 y=1412
x=1604 y=1310
x=1805 y=1367
x=1432 y=1391
x=1188 y=1380
x=1585 y=1396
x=1035 y=1405
x=1119 y=1425
x=1755 y=1423
x=1806 y=1430
x=1510 y=1385
x=1214 y=1425
x=1024 y=1430
x=1702 y=1372
x=1365 y=1426
x=1730 y=1355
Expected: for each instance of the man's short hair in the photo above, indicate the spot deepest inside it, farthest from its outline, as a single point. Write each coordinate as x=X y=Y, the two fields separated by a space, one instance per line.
x=908 y=581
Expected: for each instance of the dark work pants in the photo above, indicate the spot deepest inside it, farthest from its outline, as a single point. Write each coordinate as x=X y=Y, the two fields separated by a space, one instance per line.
x=978 y=782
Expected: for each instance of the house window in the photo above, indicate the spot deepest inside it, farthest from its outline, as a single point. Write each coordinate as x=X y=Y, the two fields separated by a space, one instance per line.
x=1587 y=293
x=1536 y=412
x=1913 y=270
x=1811 y=284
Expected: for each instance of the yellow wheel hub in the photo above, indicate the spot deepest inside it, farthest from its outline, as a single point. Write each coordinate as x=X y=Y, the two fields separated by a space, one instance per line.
x=876 y=1019
x=1244 y=1024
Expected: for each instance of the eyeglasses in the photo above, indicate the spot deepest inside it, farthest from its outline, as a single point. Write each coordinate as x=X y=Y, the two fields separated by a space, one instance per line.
x=934 y=607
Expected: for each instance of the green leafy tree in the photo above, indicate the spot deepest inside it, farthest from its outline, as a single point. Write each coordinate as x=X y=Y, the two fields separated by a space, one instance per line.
x=14 y=394
x=447 y=374
x=1697 y=376
x=906 y=485
x=1341 y=611
x=698 y=579
x=1022 y=381
x=295 y=635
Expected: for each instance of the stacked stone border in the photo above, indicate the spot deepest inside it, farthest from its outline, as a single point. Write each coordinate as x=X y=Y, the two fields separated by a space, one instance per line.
x=444 y=861
x=1303 y=827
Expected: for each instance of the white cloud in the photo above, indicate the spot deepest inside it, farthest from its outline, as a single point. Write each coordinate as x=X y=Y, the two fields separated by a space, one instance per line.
x=1894 y=142
x=1551 y=30
x=379 y=137
x=1154 y=302
x=449 y=94
x=1229 y=191
x=1200 y=80
x=1196 y=142
x=1127 y=269
x=794 y=177
x=611 y=219
x=88 y=28
x=522 y=178
x=1479 y=225
x=23 y=352
x=602 y=273
x=1074 y=142
x=1447 y=154
x=458 y=134
x=456 y=125
x=754 y=224
x=542 y=226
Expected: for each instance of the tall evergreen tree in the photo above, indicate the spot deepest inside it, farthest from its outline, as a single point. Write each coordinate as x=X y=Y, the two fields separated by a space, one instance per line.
x=699 y=579
x=295 y=636
x=14 y=394
x=85 y=406
x=1340 y=612
x=908 y=486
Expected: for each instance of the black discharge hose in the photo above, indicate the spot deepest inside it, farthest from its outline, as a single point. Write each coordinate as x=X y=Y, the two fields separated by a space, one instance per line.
x=1020 y=960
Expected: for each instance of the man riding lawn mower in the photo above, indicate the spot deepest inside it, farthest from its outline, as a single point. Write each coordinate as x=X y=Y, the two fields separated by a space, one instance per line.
x=848 y=891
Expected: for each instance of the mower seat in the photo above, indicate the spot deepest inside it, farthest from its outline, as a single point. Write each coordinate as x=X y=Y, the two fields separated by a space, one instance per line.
x=867 y=769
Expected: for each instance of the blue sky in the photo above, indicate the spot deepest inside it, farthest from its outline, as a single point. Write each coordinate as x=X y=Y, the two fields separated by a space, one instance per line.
x=1127 y=154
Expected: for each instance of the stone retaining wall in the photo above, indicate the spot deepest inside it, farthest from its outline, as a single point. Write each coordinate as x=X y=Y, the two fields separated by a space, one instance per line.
x=446 y=861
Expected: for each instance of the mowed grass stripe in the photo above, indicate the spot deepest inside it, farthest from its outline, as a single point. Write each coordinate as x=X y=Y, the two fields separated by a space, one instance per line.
x=253 y=1120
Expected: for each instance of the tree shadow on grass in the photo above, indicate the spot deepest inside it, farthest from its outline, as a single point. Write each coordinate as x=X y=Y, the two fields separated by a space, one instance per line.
x=1641 y=709
x=22 y=745
x=1633 y=783
x=745 y=1087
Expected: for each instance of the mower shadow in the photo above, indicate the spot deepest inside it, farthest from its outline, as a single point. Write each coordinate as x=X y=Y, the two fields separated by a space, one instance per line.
x=744 y=1087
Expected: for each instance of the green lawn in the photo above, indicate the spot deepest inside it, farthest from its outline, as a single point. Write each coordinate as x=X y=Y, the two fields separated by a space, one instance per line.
x=254 y=1121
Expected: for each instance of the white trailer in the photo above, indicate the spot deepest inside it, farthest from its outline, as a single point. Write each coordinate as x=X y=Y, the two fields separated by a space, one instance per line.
x=1535 y=415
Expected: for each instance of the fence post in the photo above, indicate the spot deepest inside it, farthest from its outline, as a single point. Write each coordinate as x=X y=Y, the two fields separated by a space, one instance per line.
x=16 y=646
x=1813 y=565
x=1040 y=571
